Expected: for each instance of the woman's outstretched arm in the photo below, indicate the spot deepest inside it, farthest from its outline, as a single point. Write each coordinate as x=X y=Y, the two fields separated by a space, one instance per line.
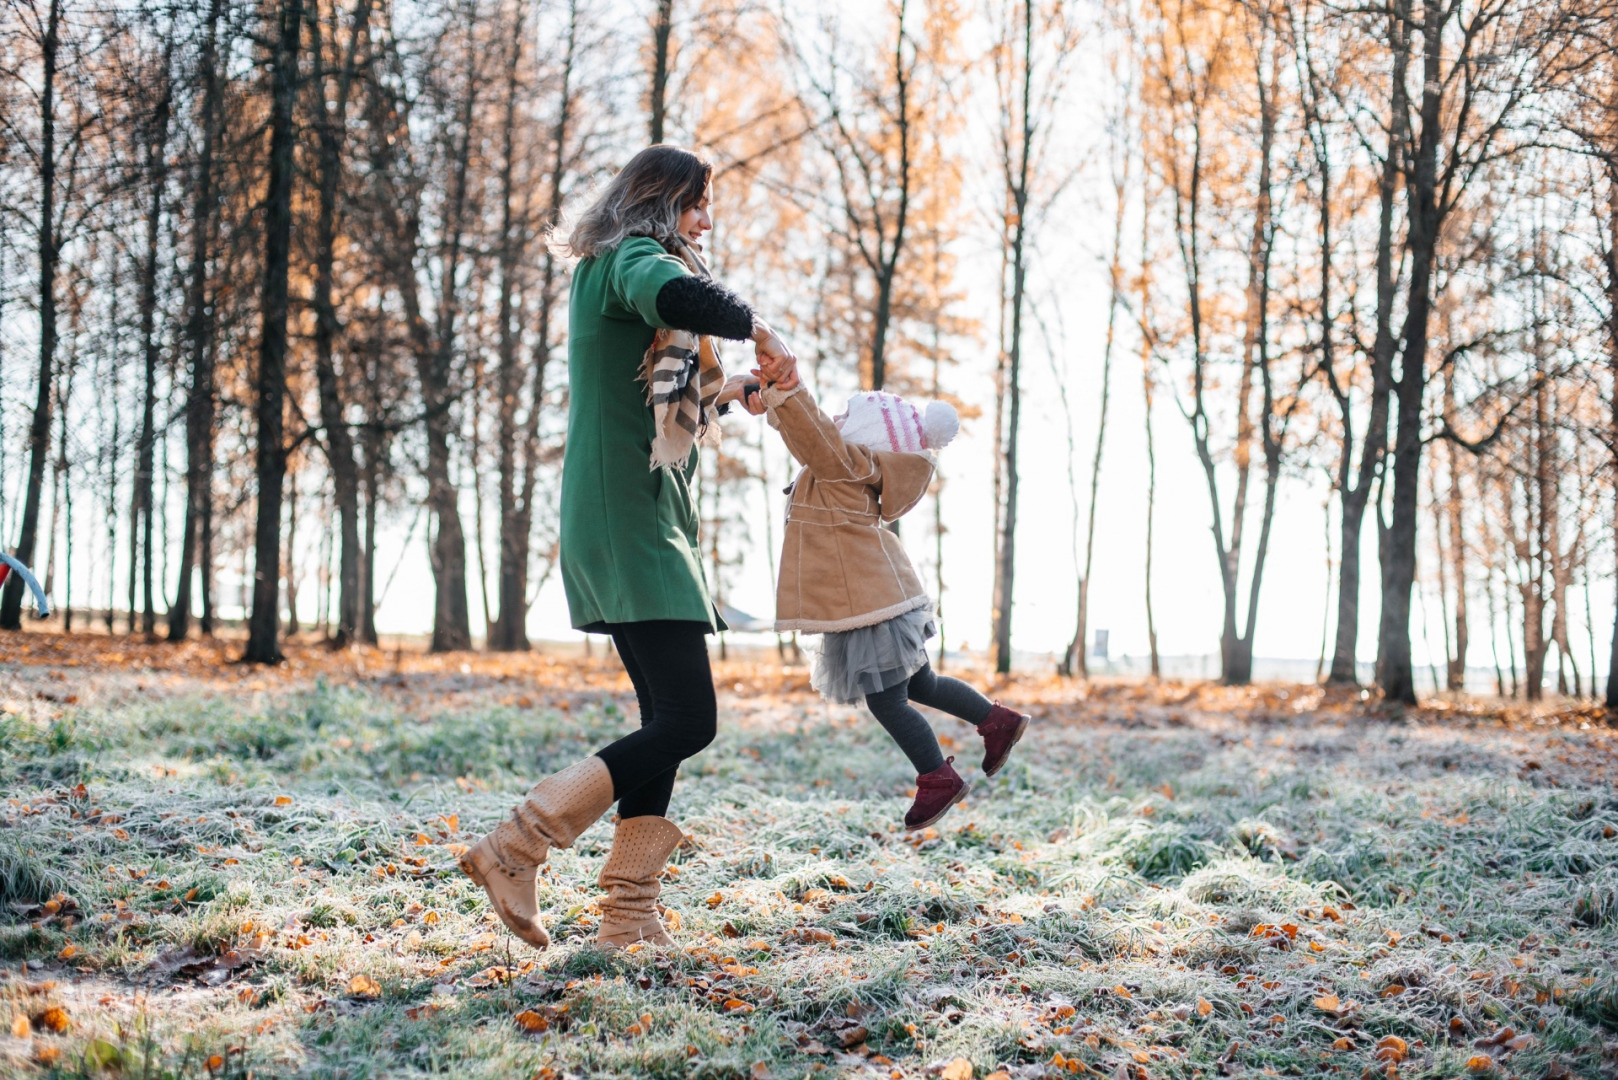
x=702 y=306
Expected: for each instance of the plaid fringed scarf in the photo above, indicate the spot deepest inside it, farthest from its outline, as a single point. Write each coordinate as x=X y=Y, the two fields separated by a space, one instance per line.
x=683 y=378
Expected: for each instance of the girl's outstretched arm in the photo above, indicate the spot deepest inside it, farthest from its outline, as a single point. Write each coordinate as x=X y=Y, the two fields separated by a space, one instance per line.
x=814 y=440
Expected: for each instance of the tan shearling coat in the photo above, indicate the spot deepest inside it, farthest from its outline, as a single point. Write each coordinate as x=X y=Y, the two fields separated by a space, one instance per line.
x=840 y=569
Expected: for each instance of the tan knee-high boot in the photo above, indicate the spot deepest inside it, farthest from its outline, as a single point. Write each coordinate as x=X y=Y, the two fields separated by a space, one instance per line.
x=506 y=861
x=640 y=848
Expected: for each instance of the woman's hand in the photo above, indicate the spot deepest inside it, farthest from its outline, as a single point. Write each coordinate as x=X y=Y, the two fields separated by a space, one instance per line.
x=735 y=389
x=774 y=356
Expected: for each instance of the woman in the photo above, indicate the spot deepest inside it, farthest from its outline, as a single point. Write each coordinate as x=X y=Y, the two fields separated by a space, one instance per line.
x=644 y=385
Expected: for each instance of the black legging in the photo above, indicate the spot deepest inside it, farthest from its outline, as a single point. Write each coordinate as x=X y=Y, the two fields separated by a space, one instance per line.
x=909 y=728
x=667 y=660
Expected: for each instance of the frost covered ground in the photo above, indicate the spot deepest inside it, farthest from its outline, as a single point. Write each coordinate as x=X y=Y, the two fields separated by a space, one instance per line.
x=208 y=871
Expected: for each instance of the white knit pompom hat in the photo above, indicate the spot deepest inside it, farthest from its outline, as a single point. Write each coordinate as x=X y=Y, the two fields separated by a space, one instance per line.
x=885 y=421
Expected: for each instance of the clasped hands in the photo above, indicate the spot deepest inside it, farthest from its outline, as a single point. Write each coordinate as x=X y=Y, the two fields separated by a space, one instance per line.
x=777 y=367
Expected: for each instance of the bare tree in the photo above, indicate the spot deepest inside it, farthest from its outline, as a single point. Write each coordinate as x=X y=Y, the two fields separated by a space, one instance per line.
x=263 y=641
x=45 y=30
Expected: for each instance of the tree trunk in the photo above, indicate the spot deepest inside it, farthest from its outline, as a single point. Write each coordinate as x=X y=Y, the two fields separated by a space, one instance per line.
x=1611 y=253
x=888 y=266
x=508 y=631
x=662 y=24
x=39 y=428
x=291 y=573
x=199 y=407
x=1399 y=565
x=1355 y=495
x=263 y=645
x=1077 y=660
x=1455 y=679
x=142 y=512
x=1019 y=273
x=339 y=440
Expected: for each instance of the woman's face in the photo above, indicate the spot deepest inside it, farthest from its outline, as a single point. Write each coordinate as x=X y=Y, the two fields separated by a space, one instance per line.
x=695 y=221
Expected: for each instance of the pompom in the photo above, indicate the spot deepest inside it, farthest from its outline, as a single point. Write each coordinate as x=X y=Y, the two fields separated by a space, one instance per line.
x=940 y=425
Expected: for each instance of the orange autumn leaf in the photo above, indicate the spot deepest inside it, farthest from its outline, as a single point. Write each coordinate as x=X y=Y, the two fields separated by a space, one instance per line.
x=716 y=899
x=20 y=1027
x=67 y=952
x=1344 y=1043
x=1480 y=1063
x=737 y=1005
x=1328 y=1003
x=1122 y=991
x=531 y=1021
x=54 y=1019
x=1391 y=1048
x=283 y=800
x=215 y=1062
x=363 y=986
x=1204 y=1007
x=958 y=1069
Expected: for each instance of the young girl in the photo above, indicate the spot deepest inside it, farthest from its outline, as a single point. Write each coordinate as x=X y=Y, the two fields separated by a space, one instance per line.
x=846 y=577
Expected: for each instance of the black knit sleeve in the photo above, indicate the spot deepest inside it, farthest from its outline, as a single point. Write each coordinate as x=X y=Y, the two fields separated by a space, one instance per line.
x=704 y=307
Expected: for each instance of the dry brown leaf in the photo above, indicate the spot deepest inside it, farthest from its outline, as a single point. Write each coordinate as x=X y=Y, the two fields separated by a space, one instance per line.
x=283 y=800
x=363 y=986
x=54 y=1019
x=1480 y=1063
x=1343 y=1043
x=1391 y=1048
x=1204 y=1007
x=20 y=1027
x=1122 y=991
x=215 y=1062
x=1328 y=1003
x=531 y=1021
x=959 y=1069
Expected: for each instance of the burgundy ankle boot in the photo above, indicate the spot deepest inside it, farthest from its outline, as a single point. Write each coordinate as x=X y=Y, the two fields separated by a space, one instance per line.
x=936 y=792
x=1000 y=730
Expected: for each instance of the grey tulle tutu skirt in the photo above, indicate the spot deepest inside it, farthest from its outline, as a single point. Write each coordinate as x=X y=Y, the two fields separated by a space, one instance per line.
x=849 y=664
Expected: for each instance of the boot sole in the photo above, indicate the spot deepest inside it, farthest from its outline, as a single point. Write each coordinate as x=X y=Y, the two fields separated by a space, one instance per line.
x=1015 y=739
x=959 y=795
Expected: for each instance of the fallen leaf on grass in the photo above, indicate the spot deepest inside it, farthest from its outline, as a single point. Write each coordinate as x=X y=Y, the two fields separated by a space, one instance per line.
x=531 y=1021
x=363 y=986
x=1480 y=1063
x=1204 y=1007
x=215 y=1062
x=1343 y=1043
x=54 y=1019
x=761 y=1070
x=959 y=1069
x=1504 y=1041
x=20 y=1027
x=1391 y=1048
x=283 y=800
x=737 y=1005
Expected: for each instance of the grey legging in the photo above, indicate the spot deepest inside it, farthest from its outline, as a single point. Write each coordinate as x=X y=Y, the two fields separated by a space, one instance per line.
x=909 y=729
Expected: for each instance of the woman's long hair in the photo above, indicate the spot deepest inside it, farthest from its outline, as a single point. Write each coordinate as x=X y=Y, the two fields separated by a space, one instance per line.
x=645 y=198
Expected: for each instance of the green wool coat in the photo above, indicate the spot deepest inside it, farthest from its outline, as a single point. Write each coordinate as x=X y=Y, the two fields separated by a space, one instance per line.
x=629 y=532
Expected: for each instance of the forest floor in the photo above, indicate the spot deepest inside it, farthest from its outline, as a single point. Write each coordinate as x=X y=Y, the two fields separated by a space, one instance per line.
x=211 y=870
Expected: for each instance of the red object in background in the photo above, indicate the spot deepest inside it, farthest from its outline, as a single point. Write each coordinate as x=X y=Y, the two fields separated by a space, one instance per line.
x=5 y=572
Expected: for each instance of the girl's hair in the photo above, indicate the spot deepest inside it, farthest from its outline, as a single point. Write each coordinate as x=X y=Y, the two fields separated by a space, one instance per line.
x=645 y=198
